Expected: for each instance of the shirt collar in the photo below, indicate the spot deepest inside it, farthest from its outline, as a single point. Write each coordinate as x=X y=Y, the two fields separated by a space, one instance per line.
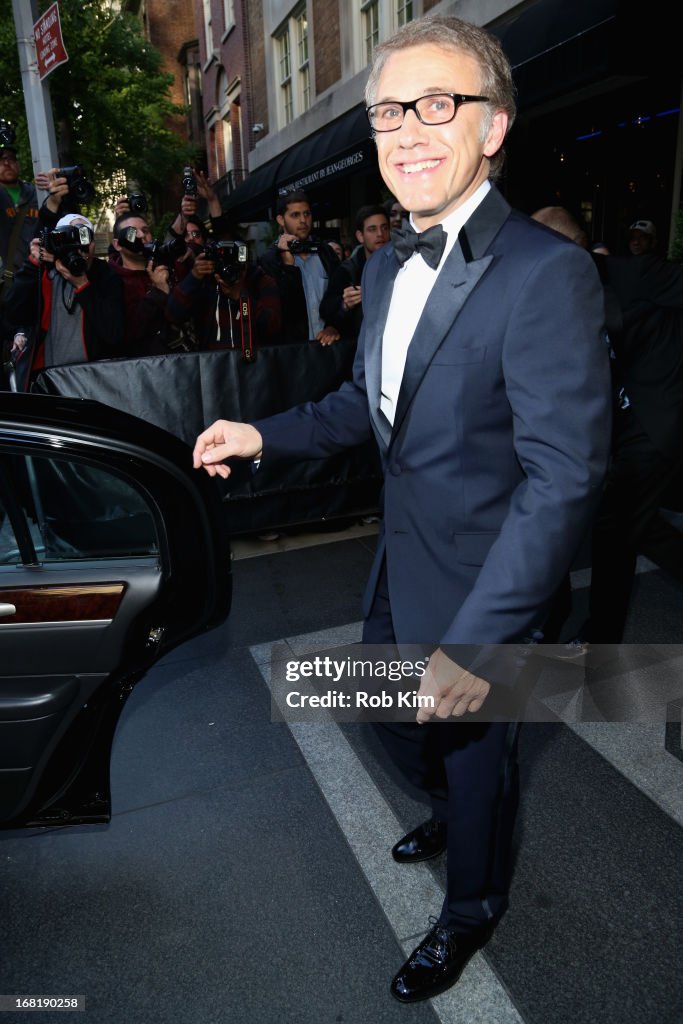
x=454 y=222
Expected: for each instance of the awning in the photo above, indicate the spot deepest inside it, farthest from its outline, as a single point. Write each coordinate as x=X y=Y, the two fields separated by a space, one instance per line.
x=254 y=199
x=340 y=148
x=555 y=46
x=334 y=151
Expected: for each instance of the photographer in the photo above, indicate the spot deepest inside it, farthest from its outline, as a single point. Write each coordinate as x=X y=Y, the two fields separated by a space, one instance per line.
x=67 y=189
x=195 y=185
x=18 y=211
x=301 y=265
x=232 y=302
x=195 y=237
x=144 y=271
x=66 y=306
x=341 y=304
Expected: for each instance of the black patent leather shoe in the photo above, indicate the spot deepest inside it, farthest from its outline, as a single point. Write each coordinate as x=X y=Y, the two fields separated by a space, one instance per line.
x=424 y=842
x=436 y=963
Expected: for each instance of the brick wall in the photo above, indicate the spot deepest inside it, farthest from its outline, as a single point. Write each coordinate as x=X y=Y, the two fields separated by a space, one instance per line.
x=326 y=39
x=253 y=12
x=170 y=24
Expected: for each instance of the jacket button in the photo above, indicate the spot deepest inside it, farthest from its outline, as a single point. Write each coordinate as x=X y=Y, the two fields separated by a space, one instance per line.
x=395 y=469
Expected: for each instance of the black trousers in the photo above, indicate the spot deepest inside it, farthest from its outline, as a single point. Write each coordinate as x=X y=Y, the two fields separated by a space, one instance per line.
x=469 y=771
x=627 y=524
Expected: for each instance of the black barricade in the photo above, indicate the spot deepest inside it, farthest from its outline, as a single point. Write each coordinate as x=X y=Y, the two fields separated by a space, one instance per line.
x=185 y=392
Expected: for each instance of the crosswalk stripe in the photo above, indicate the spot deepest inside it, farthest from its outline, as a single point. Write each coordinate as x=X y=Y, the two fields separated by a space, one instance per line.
x=406 y=895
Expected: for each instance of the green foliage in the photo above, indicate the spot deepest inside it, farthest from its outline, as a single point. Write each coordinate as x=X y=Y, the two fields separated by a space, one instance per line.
x=110 y=100
x=676 y=250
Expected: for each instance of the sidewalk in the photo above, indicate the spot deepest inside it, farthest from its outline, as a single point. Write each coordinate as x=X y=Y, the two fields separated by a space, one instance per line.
x=239 y=883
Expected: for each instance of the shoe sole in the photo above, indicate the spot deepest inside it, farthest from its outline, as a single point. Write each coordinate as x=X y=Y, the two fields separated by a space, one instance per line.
x=420 y=859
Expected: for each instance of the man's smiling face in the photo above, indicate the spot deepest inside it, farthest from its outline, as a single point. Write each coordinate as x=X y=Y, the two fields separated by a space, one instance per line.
x=433 y=169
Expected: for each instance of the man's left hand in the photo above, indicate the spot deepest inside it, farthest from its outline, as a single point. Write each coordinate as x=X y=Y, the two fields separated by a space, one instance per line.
x=159 y=276
x=454 y=690
x=77 y=282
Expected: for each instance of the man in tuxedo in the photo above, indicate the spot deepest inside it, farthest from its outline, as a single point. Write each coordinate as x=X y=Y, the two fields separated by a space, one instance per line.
x=482 y=374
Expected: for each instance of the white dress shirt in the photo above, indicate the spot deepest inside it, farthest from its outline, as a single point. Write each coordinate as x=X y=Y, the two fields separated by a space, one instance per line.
x=412 y=286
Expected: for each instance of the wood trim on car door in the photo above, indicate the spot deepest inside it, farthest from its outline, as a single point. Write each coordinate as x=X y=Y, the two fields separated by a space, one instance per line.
x=77 y=602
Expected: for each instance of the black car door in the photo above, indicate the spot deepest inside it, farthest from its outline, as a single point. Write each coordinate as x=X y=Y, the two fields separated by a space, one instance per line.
x=112 y=551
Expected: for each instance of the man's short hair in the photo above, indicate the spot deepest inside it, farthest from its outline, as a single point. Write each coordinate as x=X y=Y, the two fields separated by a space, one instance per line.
x=561 y=220
x=287 y=198
x=369 y=211
x=461 y=37
x=198 y=224
x=123 y=217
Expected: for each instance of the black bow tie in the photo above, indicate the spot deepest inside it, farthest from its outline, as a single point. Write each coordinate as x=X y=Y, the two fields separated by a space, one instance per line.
x=430 y=244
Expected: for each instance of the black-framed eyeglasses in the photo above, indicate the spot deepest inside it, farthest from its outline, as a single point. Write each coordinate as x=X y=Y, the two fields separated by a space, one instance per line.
x=435 y=108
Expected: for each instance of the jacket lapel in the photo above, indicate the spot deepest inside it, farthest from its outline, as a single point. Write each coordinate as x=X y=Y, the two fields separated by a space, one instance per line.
x=373 y=330
x=464 y=267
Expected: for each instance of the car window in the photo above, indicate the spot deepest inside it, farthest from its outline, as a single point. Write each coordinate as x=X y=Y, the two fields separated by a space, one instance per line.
x=55 y=509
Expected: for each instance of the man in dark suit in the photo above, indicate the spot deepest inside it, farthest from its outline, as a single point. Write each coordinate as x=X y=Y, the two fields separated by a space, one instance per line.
x=482 y=374
x=647 y=456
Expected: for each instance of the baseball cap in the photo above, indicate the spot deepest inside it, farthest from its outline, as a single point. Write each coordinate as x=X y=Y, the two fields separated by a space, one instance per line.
x=11 y=149
x=646 y=226
x=69 y=218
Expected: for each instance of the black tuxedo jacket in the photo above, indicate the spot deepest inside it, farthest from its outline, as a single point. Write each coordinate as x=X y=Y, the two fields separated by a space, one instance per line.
x=496 y=457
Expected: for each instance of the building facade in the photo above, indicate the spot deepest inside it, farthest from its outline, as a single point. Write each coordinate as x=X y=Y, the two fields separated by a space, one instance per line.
x=598 y=86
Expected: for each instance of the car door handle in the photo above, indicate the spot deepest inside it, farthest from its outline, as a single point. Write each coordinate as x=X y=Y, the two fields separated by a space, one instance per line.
x=7 y=609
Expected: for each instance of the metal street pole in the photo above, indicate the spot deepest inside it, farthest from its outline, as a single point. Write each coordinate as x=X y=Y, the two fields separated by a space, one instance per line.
x=41 y=128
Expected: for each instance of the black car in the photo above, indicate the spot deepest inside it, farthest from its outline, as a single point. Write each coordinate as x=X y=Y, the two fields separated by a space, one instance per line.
x=112 y=551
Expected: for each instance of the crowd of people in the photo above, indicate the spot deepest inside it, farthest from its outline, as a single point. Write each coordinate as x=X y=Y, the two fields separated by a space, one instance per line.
x=196 y=290
x=61 y=304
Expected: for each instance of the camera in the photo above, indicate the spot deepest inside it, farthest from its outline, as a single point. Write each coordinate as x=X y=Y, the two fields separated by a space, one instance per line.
x=229 y=257
x=189 y=182
x=137 y=202
x=298 y=245
x=7 y=133
x=162 y=254
x=70 y=246
x=79 y=187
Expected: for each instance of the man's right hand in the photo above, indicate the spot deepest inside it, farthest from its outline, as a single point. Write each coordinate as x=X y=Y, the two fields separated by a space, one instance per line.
x=351 y=296
x=222 y=440
x=121 y=206
x=203 y=267
x=38 y=253
x=283 y=245
x=56 y=187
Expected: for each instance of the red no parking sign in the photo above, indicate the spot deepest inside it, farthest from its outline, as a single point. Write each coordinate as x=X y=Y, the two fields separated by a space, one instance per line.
x=50 y=49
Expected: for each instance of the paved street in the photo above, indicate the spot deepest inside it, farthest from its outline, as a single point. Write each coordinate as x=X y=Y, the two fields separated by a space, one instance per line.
x=246 y=876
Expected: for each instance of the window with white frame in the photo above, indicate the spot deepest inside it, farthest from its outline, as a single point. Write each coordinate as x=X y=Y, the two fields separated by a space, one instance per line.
x=369 y=12
x=404 y=12
x=284 y=53
x=208 y=30
x=228 y=14
x=294 y=69
x=303 y=64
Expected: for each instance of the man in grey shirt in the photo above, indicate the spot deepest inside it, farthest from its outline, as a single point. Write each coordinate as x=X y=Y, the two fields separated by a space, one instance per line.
x=66 y=308
x=301 y=265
